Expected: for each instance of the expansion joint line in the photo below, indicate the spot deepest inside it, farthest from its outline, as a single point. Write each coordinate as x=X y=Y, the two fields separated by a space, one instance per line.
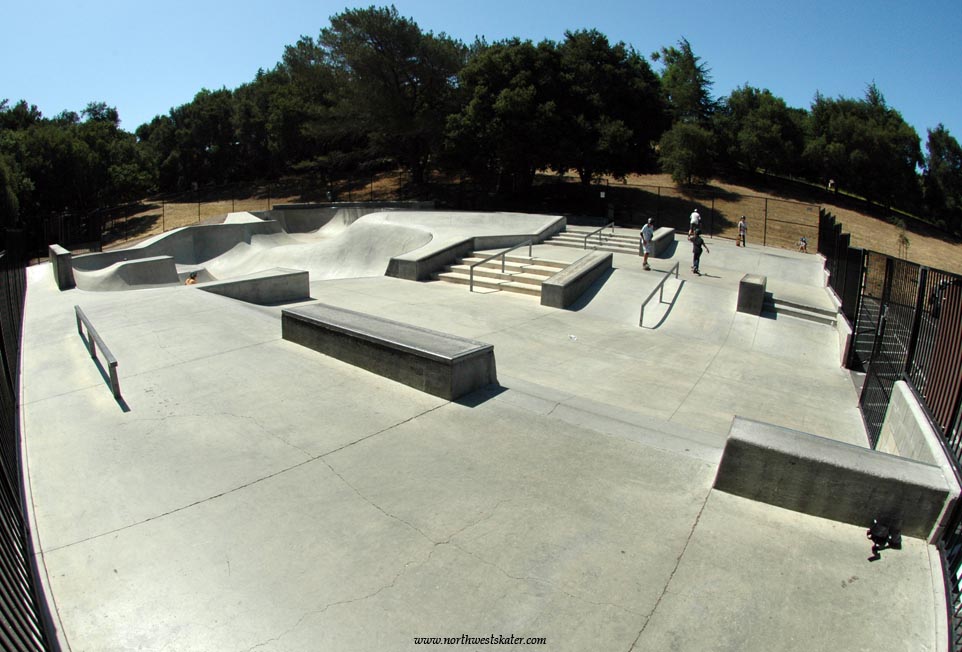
x=248 y=484
x=671 y=576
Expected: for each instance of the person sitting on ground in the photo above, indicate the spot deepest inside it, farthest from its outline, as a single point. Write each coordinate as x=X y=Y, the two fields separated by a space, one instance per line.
x=697 y=243
x=803 y=245
x=191 y=279
x=647 y=235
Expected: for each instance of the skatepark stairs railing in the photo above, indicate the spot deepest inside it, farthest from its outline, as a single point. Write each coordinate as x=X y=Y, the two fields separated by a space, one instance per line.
x=610 y=225
x=660 y=289
x=504 y=253
x=93 y=341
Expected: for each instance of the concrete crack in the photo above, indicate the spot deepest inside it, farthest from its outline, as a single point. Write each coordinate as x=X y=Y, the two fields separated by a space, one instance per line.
x=318 y=612
x=247 y=484
x=671 y=576
x=544 y=582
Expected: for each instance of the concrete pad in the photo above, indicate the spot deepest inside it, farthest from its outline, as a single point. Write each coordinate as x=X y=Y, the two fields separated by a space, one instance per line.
x=255 y=494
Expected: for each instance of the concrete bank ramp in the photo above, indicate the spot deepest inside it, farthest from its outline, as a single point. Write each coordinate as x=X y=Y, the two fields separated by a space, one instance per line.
x=344 y=243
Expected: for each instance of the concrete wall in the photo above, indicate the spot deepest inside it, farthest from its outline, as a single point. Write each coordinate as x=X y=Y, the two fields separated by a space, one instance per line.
x=62 y=262
x=832 y=479
x=565 y=287
x=907 y=432
x=272 y=286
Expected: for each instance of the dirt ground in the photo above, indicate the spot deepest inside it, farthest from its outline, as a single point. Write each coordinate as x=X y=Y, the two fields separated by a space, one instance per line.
x=791 y=213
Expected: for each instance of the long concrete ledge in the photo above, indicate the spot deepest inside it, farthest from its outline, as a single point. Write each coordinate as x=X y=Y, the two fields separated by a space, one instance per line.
x=62 y=263
x=264 y=288
x=564 y=288
x=436 y=363
x=830 y=479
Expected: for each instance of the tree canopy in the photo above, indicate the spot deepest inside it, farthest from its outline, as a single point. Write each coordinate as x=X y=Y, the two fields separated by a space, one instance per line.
x=374 y=91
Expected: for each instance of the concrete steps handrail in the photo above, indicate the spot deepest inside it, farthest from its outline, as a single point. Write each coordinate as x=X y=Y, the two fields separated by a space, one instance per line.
x=529 y=242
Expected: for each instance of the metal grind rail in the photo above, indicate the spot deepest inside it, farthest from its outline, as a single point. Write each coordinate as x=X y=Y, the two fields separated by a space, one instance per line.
x=504 y=253
x=660 y=289
x=94 y=341
x=598 y=232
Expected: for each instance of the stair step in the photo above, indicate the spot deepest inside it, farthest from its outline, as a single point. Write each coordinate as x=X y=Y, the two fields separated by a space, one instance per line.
x=513 y=266
x=794 y=304
x=807 y=313
x=483 y=282
x=518 y=275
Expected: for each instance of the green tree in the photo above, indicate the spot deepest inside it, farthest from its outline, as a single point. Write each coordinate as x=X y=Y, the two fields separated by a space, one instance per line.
x=757 y=130
x=942 y=179
x=686 y=82
x=686 y=151
x=866 y=147
x=610 y=107
x=396 y=82
x=9 y=204
x=509 y=124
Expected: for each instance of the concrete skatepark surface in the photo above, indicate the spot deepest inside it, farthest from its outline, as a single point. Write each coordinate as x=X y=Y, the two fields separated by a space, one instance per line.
x=344 y=244
x=253 y=494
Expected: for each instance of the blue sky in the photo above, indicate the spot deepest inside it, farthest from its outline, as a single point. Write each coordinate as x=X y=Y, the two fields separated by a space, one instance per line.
x=145 y=58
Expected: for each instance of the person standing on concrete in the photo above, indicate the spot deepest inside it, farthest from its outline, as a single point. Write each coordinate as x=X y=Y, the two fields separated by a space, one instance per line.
x=647 y=235
x=697 y=244
x=695 y=220
x=742 y=233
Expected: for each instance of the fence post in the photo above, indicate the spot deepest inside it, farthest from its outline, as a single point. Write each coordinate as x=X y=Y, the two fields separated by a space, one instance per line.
x=163 y=214
x=765 y=225
x=916 y=321
x=711 y=224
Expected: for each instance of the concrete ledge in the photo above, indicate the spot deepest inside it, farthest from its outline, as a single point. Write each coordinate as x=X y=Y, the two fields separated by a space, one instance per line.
x=662 y=239
x=436 y=363
x=156 y=270
x=271 y=286
x=830 y=479
x=62 y=262
x=907 y=432
x=751 y=293
x=564 y=288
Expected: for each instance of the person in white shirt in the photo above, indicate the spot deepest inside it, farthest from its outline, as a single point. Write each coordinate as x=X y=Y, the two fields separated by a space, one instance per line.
x=695 y=223
x=647 y=234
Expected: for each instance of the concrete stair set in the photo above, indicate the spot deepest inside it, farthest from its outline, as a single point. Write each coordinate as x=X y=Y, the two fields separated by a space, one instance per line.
x=620 y=243
x=800 y=311
x=521 y=274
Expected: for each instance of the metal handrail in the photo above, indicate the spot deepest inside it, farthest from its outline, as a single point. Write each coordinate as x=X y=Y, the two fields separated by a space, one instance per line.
x=600 y=241
x=504 y=253
x=660 y=288
x=94 y=341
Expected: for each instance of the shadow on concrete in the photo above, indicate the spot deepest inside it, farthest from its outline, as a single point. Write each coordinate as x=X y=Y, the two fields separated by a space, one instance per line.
x=124 y=407
x=671 y=306
x=591 y=292
x=480 y=396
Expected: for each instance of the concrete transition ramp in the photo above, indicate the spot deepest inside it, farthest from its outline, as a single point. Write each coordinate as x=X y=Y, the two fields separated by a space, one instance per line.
x=344 y=243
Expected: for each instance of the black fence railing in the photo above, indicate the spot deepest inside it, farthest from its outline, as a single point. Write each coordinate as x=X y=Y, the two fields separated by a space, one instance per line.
x=24 y=618
x=907 y=326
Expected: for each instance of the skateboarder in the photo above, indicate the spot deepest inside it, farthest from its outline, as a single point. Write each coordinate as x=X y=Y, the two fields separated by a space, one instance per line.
x=697 y=244
x=647 y=234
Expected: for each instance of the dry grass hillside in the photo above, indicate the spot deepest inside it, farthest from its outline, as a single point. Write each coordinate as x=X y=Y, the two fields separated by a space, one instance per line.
x=926 y=245
x=792 y=213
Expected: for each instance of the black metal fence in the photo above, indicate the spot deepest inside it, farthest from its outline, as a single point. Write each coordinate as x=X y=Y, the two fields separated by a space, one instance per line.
x=907 y=326
x=24 y=619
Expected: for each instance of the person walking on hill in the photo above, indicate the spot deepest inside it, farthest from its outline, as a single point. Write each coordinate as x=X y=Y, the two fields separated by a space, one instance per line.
x=647 y=235
x=697 y=244
x=742 y=233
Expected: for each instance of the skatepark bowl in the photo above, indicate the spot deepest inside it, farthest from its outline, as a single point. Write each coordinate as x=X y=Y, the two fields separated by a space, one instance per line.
x=250 y=492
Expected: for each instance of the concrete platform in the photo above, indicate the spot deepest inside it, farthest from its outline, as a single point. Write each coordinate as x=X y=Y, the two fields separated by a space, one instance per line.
x=253 y=494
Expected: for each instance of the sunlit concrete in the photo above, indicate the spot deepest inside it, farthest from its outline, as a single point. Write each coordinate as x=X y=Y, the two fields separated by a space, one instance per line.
x=250 y=493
